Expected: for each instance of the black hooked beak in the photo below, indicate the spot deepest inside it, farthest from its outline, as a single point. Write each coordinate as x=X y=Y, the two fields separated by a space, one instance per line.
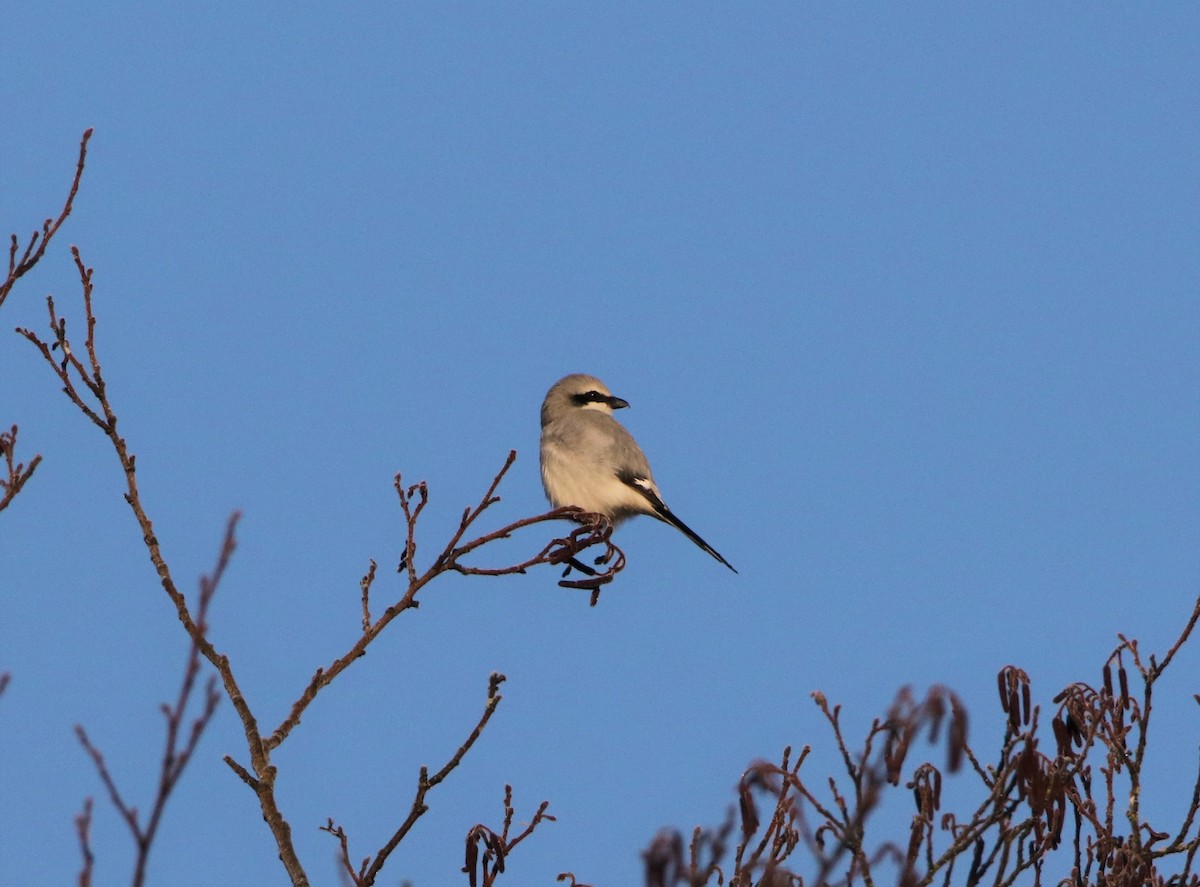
x=617 y=403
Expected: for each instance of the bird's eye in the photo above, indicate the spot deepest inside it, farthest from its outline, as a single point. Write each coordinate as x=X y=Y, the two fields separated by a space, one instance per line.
x=589 y=397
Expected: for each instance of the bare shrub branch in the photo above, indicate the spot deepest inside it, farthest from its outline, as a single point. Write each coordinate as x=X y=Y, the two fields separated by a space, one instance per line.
x=82 y=378
x=595 y=531
x=570 y=878
x=39 y=240
x=178 y=750
x=83 y=826
x=1015 y=831
x=16 y=472
x=370 y=867
x=483 y=868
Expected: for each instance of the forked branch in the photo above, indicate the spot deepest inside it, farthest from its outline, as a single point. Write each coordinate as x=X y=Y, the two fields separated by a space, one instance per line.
x=16 y=473
x=39 y=240
x=179 y=746
x=1032 y=799
x=487 y=851
x=594 y=531
x=81 y=375
x=370 y=867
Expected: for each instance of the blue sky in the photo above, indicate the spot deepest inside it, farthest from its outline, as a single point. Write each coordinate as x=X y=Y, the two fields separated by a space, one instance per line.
x=904 y=301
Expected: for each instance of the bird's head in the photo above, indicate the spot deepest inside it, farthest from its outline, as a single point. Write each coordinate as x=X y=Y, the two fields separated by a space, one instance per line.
x=579 y=392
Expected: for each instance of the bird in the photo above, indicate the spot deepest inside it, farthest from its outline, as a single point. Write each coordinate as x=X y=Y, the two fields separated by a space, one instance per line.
x=591 y=461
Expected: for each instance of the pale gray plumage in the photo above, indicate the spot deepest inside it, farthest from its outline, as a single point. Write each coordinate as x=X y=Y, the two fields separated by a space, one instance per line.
x=589 y=460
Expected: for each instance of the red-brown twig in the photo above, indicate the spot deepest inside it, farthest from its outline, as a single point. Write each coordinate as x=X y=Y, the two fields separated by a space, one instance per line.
x=365 y=585
x=177 y=751
x=570 y=878
x=38 y=241
x=85 y=385
x=83 y=826
x=489 y=863
x=355 y=876
x=370 y=867
x=82 y=378
x=594 y=532
x=16 y=472
x=1010 y=836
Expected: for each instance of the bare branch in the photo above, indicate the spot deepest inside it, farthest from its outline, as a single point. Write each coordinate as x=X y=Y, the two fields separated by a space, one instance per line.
x=85 y=385
x=570 y=877
x=365 y=585
x=490 y=863
x=367 y=873
x=1008 y=837
x=355 y=876
x=83 y=825
x=38 y=241
x=81 y=375
x=594 y=531
x=17 y=472
x=177 y=750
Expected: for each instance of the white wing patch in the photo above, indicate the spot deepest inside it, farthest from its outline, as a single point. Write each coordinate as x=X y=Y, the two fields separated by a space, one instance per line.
x=644 y=483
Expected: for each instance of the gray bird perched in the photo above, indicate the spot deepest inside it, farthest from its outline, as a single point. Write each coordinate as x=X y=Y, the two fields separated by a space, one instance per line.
x=589 y=460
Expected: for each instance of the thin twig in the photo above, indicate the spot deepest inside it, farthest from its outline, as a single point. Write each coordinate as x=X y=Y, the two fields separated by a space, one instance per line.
x=17 y=472
x=1007 y=838
x=371 y=866
x=177 y=751
x=38 y=241
x=83 y=825
x=73 y=373
x=82 y=378
x=497 y=847
x=595 y=531
x=365 y=585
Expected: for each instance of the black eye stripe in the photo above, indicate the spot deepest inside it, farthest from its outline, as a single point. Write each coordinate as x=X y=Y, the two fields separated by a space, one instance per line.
x=590 y=397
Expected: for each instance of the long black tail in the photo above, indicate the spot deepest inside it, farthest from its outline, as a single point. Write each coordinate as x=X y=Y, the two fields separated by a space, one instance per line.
x=644 y=485
x=669 y=516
